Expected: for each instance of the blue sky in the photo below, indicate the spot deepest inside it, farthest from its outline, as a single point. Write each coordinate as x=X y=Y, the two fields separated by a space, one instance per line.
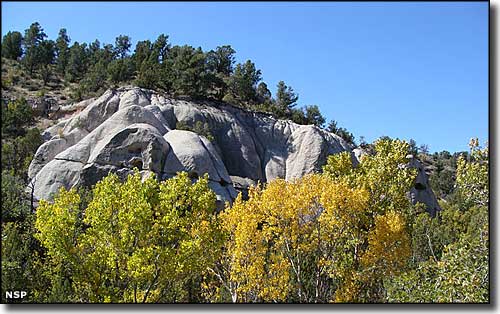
x=402 y=69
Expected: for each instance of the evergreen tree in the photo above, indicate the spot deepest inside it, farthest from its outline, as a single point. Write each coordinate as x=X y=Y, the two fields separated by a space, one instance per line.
x=143 y=50
x=62 y=50
x=32 y=38
x=244 y=81
x=122 y=46
x=95 y=79
x=120 y=70
x=76 y=68
x=313 y=116
x=148 y=76
x=220 y=66
x=221 y=60
x=286 y=98
x=342 y=132
x=94 y=52
x=161 y=47
x=186 y=67
x=263 y=93
x=11 y=45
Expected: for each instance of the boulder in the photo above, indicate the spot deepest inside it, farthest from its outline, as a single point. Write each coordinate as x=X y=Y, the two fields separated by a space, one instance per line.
x=421 y=191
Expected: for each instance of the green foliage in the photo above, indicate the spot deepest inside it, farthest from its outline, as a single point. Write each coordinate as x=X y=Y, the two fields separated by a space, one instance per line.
x=186 y=66
x=263 y=93
x=148 y=75
x=11 y=45
x=33 y=37
x=178 y=71
x=342 y=132
x=77 y=62
x=17 y=153
x=457 y=241
x=15 y=205
x=19 y=248
x=221 y=61
x=120 y=70
x=96 y=78
x=62 y=50
x=286 y=98
x=122 y=46
x=16 y=115
x=472 y=176
x=20 y=256
x=314 y=116
x=199 y=127
x=243 y=83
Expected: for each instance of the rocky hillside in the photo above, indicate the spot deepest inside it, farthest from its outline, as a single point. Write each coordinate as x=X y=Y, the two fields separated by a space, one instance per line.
x=131 y=127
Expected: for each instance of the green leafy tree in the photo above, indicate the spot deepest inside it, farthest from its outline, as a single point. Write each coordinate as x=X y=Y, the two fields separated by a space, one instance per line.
x=152 y=64
x=454 y=268
x=148 y=76
x=95 y=53
x=46 y=52
x=17 y=153
x=14 y=199
x=12 y=45
x=472 y=176
x=96 y=78
x=143 y=50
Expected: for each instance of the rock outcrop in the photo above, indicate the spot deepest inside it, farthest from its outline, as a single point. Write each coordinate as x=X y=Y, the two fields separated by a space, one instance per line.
x=136 y=128
x=132 y=128
x=421 y=191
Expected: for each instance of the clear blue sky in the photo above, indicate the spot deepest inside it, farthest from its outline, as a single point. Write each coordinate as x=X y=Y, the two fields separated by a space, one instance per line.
x=403 y=69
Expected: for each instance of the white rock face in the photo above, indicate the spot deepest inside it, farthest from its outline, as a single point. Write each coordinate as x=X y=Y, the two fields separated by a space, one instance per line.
x=135 y=128
x=421 y=191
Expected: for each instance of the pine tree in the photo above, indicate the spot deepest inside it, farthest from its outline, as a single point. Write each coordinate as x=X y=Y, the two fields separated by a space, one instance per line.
x=32 y=39
x=286 y=98
x=62 y=50
x=11 y=45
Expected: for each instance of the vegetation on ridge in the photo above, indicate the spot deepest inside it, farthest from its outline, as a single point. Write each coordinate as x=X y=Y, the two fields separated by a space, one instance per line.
x=87 y=69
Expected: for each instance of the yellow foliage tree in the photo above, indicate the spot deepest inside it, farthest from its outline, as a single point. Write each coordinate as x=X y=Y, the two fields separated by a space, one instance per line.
x=324 y=237
x=387 y=179
x=281 y=245
x=136 y=241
